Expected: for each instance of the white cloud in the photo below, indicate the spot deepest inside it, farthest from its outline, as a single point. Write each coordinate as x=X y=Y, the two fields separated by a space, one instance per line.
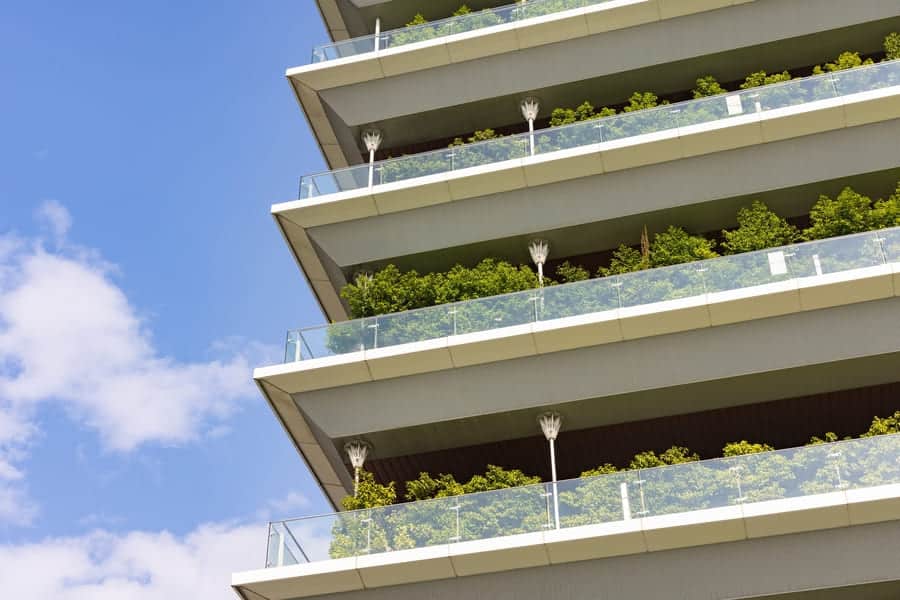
x=135 y=565
x=70 y=336
x=285 y=507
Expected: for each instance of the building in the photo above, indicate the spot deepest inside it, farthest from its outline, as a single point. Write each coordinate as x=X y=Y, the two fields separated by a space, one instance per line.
x=771 y=346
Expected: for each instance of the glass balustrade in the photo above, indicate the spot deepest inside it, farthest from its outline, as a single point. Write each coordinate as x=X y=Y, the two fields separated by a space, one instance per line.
x=623 y=496
x=658 y=286
x=607 y=129
x=511 y=13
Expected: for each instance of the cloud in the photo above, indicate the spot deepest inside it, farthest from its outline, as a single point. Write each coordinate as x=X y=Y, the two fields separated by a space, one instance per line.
x=70 y=336
x=135 y=565
x=285 y=507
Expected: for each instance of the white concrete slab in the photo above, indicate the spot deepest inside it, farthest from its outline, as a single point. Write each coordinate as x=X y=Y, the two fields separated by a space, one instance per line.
x=795 y=515
x=758 y=302
x=621 y=14
x=677 y=8
x=874 y=504
x=665 y=317
x=405 y=566
x=873 y=106
x=804 y=119
x=414 y=57
x=577 y=332
x=411 y=194
x=487 y=179
x=409 y=359
x=641 y=150
x=595 y=541
x=846 y=287
x=483 y=42
x=499 y=554
x=301 y=581
x=722 y=135
x=562 y=165
x=330 y=208
x=695 y=528
x=492 y=345
x=553 y=28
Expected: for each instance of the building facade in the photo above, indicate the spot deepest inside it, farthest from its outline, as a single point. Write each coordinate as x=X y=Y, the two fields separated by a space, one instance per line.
x=626 y=273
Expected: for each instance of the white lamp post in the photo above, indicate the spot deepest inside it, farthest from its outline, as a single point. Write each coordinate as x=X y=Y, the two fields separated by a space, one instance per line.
x=539 y=250
x=372 y=139
x=550 y=423
x=357 y=450
x=530 y=107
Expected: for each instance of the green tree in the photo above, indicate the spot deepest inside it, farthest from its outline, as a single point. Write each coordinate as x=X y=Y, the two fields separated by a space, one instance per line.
x=370 y=493
x=744 y=447
x=417 y=20
x=676 y=246
x=886 y=213
x=426 y=486
x=707 y=86
x=625 y=259
x=462 y=10
x=846 y=60
x=892 y=46
x=758 y=228
x=498 y=478
x=642 y=101
x=883 y=425
x=849 y=212
x=762 y=78
x=566 y=272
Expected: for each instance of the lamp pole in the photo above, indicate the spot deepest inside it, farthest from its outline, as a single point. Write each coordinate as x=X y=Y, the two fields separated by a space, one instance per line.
x=550 y=423
x=530 y=107
x=372 y=138
x=357 y=451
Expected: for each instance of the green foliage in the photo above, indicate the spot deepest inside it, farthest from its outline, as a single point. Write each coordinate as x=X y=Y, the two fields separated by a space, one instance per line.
x=744 y=447
x=758 y=228
x=760 y=78
x=884 y=425
x=478 y=136
x=675 y=455
x=566 y=272
x=707 y=86
x=826 y=439
x=604 y=469
x=583 y=112
x=642 y=101
x=498 y=478
x=676 y=246
x=427 y=486
x=462 y=10
x=625 y=259
x=892 y=46
x=370 y=494
x=849 y=213
x=417 y=20
x=886 y=213
x=846 y=60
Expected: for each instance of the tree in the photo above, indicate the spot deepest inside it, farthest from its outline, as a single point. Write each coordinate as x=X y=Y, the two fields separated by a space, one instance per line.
x=846 y=60
x=625 y=259
x=883 y=425
x=642 y=101
x=744 y=447
x=676 y=246
x=370 y=493
x=762 y=78
x=675 y=455
x=417 y=20
x=426 y=486
x=886 y=213
x=566 y=272
x=846 y=214
x=707 y=86
x=758 y=228
x=892 y=46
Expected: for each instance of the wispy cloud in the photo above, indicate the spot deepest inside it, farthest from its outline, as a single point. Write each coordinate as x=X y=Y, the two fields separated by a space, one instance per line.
x=70 y=336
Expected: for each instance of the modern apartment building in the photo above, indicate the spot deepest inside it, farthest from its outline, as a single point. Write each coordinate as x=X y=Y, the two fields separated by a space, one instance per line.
x=444 y=149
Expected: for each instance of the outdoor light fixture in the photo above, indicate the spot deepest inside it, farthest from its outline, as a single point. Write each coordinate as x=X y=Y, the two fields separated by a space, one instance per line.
x=530 y=107
x=550 y=423
x=357 y=451
x=539 y=250
x=372 y=138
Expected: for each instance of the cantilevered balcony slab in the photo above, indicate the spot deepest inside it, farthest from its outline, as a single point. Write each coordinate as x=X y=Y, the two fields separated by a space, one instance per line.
x=422 y=91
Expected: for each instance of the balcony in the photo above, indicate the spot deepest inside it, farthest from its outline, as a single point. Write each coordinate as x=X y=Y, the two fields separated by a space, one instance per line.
x=708 y=293
x=761 y=115
x=836 y=485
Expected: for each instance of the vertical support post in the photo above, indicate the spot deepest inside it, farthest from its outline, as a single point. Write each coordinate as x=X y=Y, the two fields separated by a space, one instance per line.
x=550 y=423
x=279 y=560
x=377 y=34
x=298 y=349
x=372 y=139
x=817 y=264
x=530 y=107
x=555 y=490
x=626 y=503
x=531 y=135
x=371 y=167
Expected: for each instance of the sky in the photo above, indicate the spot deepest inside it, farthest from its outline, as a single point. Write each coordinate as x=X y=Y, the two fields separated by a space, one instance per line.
x=141 y=280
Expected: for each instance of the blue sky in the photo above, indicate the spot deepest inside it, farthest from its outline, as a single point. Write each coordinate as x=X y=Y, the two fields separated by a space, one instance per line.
x=141 y=276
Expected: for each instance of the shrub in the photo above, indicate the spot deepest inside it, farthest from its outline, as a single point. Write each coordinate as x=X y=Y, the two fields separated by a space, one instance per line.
x=642 y=101
x=567 y=273
x=675 y=246
x=884 y=425
x=744 y=447
x=707 y=86
x=846 y=214
x=675 y=455
x=462 y=10
x=604 y=469
x=427 y=486
x=846 y=60
x=417 y=20
x=762 y=78
x=478 y=136
x=758 y=228
x=625 y=259
x=892 y=46
x=886 y=213
x=370 y=494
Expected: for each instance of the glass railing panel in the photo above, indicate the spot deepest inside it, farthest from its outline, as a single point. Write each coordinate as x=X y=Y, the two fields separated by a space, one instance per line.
x=685 y=487
x=641 y=122
x=580 y=298
x=599 y=499
x=333 y=182
x=495 y=312
x=336 y=338
x=834 y=255
x=568 y=136
x=868 y=462
x=662 y=284
x=889 y=239
x=344 y=49
x=863 y=79
x=790 y=93
x=488 y=152
x=746 y=270
x=415 y=165
x=484 y=18
x=539 y=8
x=712 y=109
x=413 y=326
x=283 y=548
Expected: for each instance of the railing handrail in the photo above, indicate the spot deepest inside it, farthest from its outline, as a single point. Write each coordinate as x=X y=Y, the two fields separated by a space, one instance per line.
x=572 y=285
x=562 y=482
x=600 y=120
x=521 y=5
